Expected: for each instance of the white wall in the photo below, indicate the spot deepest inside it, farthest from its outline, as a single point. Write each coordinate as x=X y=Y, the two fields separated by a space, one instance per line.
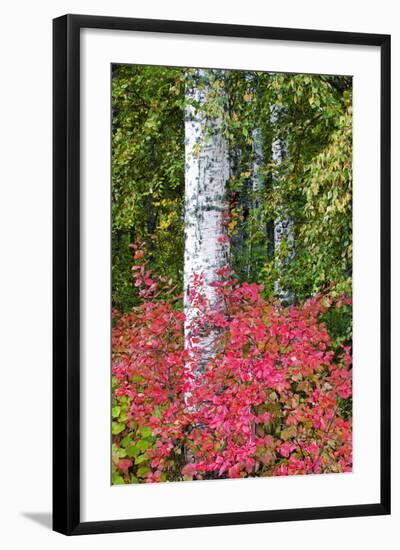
x=25 y=217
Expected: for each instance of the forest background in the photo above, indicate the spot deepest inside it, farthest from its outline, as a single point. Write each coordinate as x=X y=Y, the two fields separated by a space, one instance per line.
x=314 y=177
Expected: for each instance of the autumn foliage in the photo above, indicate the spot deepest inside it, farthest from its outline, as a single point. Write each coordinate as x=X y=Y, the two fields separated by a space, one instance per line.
x=267 y=401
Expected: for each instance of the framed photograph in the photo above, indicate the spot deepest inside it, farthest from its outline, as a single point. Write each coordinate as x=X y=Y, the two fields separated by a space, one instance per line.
x=221 y=274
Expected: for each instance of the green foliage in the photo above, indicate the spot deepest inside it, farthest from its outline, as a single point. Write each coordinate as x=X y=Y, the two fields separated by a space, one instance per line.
x=316 y=182
x=314 y=178
x=147 y=172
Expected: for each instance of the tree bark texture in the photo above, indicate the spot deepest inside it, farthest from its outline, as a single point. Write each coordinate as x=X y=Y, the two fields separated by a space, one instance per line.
x=206 y=176
x=283 y=226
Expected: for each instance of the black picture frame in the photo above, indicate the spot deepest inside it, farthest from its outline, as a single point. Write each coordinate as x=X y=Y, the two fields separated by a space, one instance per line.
x=66 y=273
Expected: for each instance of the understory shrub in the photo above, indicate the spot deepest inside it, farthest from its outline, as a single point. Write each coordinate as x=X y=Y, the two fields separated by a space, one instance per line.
x=268 y=399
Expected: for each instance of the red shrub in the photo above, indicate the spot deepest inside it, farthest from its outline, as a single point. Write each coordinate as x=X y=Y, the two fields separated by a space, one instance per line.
x=266 y=402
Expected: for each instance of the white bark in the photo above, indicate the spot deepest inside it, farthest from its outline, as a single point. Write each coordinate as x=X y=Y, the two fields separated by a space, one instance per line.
x=257 y=186
x=256 y=136
x=283 y=226
x=206 y=175
x=258 y=161
x=257 y=178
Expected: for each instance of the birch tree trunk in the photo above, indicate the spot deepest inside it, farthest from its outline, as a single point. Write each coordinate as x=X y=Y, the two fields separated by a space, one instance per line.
x=206 y=176
x=257 y=162
x=257 y=180
x=283 y=226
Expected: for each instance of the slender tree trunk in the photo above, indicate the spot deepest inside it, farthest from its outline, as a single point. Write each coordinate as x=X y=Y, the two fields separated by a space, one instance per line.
x=283 y=226
x=206 y=175
x=257 y=182
x=258 y=161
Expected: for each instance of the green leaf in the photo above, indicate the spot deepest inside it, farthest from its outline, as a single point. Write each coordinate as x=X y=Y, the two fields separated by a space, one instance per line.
x=133 y=450
x=116 y=411
x=146 y=432
x=117 y=479
x=143 y=471
x=126 y=441
x=141 y=458
x=144 y=444
x=117 y=428
x=137 y=379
